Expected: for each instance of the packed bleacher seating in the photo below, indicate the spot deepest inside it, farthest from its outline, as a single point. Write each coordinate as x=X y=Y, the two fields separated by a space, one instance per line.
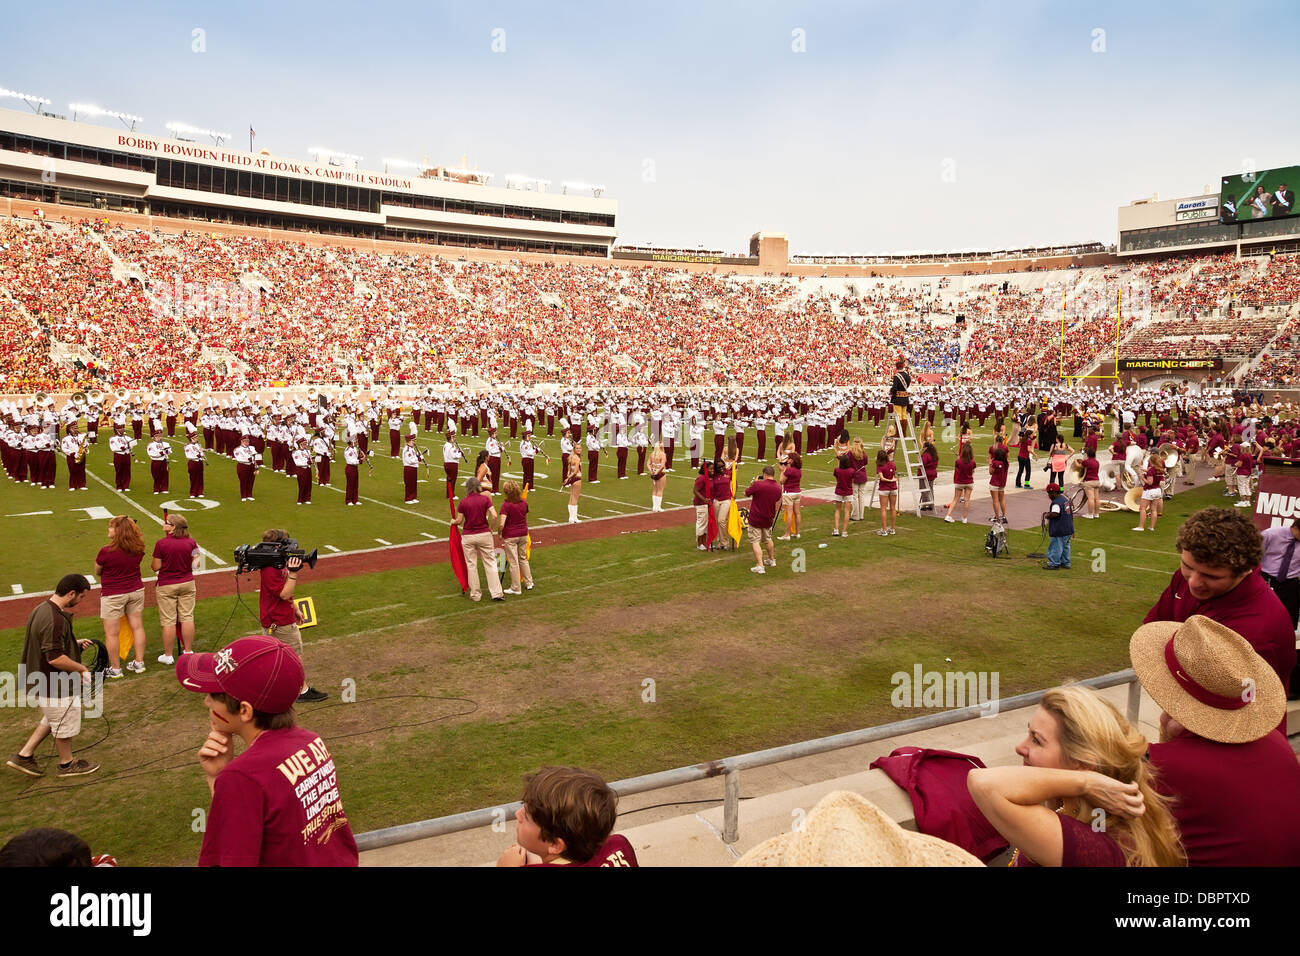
x=199 y=310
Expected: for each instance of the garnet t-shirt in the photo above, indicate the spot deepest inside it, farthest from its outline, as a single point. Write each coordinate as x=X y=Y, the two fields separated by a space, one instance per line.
x=997 y=474
x=702 y=488
x=516 y=513
x=964 y=472
x=1082 y=846
x=844 y=481
x=475 y=509
x=791 y=480
x=119 y=571
x=177 y=556
x=722 y=488
x=1091 y=469
x=885 y=474
x=765 y=498
x=278 y=804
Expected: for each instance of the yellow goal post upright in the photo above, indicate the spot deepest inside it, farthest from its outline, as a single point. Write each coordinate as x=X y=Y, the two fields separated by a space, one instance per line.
x=1072 y=379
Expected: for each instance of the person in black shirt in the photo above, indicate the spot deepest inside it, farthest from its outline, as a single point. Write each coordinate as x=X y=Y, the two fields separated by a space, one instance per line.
x=899 y=391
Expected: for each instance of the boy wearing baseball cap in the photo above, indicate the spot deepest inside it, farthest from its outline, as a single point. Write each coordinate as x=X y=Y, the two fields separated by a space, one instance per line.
x=278 y=802
x=1060 y=528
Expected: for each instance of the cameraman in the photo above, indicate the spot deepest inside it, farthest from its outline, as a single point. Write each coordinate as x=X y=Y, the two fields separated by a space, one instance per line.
x=279 y=615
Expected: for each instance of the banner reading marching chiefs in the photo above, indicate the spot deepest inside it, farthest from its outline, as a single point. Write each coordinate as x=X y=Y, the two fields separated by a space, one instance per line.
x=1278 y=501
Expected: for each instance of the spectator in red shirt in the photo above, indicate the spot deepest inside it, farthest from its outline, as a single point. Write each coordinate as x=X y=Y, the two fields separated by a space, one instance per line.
x=567 y=819
x=175 y=559
x=514 y=536
x=765 y=499
x=122 y=591
x=887 y=491
x=1081 y=757
x=701 y=498
x=264 y=811
x=279 y=614
x=1232 y=778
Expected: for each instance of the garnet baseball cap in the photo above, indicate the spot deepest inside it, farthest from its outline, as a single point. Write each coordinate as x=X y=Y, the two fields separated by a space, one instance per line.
x=259 y=669
x=1053 y=489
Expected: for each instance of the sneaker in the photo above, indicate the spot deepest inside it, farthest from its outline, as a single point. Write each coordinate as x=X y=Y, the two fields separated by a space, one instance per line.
x=78 y=768
x=963 y=520
x=166 y=659
x=759 y=569
x=835 y=534
x=1242 y=504
x=883 y=533
x=312 y=696
x=701 y=547
x=893 y=531
x=1050 y=567
x=949 y=519
x=784 y=537
x=769 y=562
x=113 y=673
x=498 y=599
x=27 y=765
x=135 y=667
x=1138 y=529
x=511 y=591
x=528 y=587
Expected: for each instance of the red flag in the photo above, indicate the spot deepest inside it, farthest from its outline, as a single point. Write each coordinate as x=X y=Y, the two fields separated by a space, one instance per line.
x=713 y=524
x=457 y=553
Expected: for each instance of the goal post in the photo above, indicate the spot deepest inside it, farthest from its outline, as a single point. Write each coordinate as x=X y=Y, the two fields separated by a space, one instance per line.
x=1072 y=378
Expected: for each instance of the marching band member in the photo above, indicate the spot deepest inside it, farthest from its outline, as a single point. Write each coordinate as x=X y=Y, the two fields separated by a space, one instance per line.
x=566 y=449
x=159 y=455
x=121 y=447
x=301 y=459
x=45 y=462
x=322 y=451
x=411 y=458
x=528 y=450
x=93 y=414
x=395 y=431
x=594 y=448
x=137 y=423
x=74 y=448
x=494 y=449
x=351 y=472
x=208 y=422
x=451 y=456
x=246 y=461
x=621 y=446
x=194 y=462
x=641 y=441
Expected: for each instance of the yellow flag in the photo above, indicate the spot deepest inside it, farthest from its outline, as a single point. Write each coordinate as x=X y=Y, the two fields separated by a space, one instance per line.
x=125 y=639
x=528 y=544
x=733 y=517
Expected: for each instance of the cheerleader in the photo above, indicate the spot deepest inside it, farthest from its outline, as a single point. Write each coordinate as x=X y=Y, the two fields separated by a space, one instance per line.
x=483 y=472
x=573 y=481
x=658 y=477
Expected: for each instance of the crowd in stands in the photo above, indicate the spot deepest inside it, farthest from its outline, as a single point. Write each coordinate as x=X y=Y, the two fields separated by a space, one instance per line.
x=206 y=311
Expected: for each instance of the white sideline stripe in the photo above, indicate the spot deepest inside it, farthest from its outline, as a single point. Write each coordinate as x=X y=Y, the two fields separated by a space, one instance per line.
x=431 y=537
x=330 y=547
x=548 y=520
x=382 y=607
x=18 y=588
x=651 y=557
x=150 y=515
x=382 y=541
x=475 y=608
x=1134 y=567
x=613 y=512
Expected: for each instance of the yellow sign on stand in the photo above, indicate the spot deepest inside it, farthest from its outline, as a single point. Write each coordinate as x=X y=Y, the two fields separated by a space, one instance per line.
x=308 y=610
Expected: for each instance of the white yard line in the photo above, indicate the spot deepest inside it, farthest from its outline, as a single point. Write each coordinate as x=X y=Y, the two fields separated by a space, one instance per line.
x=330 y=547
x=382 y=541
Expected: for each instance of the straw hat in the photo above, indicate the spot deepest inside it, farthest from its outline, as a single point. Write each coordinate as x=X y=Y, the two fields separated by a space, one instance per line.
x=1208 y=678
x=846 y=829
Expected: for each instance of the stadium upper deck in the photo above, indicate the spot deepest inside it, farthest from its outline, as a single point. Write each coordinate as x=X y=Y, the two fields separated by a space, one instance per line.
x=50 y=159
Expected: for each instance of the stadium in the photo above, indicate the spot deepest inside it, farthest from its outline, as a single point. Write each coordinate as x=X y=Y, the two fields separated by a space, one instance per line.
x=192 y=328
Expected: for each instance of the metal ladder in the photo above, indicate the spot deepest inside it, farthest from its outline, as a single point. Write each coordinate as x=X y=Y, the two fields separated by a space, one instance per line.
x=913 y=471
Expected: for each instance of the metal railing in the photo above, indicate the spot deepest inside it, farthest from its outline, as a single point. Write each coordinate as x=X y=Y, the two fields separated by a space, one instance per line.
x=729 y=769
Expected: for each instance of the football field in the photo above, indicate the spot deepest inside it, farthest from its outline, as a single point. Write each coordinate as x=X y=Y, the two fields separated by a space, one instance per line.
x=634 y=653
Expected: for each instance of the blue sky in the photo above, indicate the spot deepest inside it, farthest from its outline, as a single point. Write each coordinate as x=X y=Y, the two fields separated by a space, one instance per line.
x=897 y=127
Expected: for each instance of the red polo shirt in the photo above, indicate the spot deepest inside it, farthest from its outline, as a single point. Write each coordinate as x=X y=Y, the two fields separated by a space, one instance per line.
x=1235 y=803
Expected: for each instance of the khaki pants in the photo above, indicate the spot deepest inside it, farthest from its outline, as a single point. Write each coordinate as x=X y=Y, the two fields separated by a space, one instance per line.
x=476 y=547
x=721 y=512
x=861 y=495
x=287 y=634
x=517 y=557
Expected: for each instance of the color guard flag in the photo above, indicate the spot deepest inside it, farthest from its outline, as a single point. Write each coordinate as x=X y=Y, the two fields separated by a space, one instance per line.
x=528 y=544
x=733 y=516
x=125 y=639
x=458 y=564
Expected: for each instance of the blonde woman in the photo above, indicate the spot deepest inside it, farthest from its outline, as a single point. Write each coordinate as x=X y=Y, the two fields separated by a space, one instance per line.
x=861 y=479
x=1085 y=795
x=122 y=591
x=658 y=476
x=514 y=536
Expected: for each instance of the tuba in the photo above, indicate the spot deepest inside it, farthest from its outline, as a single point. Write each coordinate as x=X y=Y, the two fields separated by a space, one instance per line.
x=1132 y=499
x=78 y=399
x=1074 y=471
x=95 y=396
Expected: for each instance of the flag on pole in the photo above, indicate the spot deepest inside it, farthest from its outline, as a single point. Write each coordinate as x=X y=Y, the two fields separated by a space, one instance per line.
x=713 y=524
x=458 y=564
x=528 y=544
x=733 y=516
x=125 y=639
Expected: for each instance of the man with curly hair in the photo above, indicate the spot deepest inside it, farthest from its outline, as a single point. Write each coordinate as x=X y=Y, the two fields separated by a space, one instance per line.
x=1219 y=577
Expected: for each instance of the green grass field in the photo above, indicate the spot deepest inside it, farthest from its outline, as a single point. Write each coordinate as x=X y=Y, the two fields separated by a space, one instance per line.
x=455 y=701
x=72 y=525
